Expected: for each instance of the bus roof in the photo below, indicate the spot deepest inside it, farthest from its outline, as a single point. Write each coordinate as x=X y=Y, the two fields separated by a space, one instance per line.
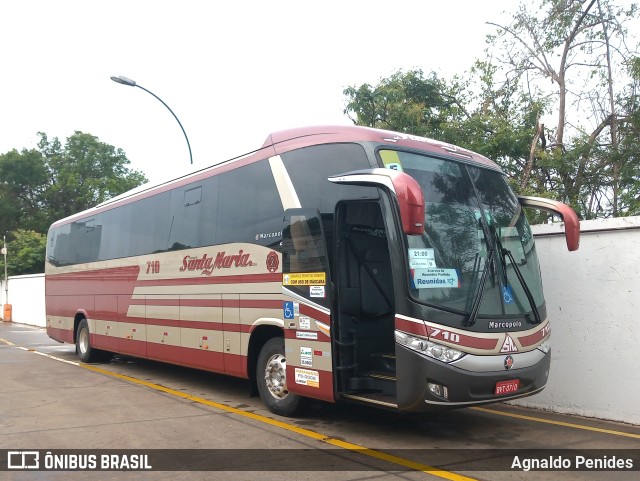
x=304 y=136
x=286 y=140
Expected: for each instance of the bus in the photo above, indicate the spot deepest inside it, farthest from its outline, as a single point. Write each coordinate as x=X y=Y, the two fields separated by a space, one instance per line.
x=338 y=263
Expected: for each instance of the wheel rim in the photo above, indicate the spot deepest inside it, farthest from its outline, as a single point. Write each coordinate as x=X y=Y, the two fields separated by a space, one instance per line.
x=275 y=375
x=83 y=340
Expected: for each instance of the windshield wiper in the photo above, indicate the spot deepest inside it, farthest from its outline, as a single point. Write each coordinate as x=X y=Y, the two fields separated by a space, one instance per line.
x=504 y=253
x=473 y=314
x=491 y=255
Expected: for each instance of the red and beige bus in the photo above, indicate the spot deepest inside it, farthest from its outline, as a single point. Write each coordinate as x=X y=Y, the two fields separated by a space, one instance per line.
x=335 y=263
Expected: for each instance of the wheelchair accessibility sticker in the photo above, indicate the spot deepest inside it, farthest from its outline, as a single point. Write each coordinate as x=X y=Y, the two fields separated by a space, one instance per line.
x=507 y=295
x=289 y=312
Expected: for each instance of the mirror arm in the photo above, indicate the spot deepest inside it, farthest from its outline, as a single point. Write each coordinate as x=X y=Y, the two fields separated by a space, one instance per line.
x=568 y=215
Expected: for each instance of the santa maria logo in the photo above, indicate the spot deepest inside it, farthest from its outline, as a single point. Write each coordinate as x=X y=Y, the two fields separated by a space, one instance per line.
x=207 y=264
x=272 y=261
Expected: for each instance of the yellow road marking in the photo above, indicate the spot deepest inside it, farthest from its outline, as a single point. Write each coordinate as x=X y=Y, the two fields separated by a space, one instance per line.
x=324 y=438
x=290 y=427
x=557 y=423
x=407 y=463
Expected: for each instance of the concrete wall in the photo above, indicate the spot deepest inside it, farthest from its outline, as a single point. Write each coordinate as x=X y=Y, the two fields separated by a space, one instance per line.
x=26 y=296
x=593 y=300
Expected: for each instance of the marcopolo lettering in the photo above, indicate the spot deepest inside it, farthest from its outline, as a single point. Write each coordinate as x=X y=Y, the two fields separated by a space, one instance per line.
x=504 y=325
x=222 y=261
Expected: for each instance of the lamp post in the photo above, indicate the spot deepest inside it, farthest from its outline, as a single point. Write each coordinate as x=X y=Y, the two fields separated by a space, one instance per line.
x=132 y=83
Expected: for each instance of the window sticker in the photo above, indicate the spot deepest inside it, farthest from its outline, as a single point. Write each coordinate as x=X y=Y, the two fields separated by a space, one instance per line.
x=306 y=357
x=307 y=335
x=304 y=279
x=305 y=322
x=391 y=160
x=421 y=258
x=394 y=166
x=432 y=278
x=306 y=377
x=316 y=291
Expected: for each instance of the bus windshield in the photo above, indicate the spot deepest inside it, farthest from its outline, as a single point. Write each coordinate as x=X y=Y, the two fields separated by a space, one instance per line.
x=470 y=213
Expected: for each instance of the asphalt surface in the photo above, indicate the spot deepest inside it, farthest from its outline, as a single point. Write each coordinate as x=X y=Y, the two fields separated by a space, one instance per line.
x=138 y=405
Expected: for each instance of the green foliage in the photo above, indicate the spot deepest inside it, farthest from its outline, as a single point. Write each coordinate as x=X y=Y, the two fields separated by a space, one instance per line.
x=83 y=173
x=41 y=185
x=404 y=102
x=559 y=58
x=494 y=122
x=25 y=253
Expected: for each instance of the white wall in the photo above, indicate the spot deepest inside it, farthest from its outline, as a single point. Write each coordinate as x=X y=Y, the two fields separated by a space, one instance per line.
x=593 y=302
x=26 y=296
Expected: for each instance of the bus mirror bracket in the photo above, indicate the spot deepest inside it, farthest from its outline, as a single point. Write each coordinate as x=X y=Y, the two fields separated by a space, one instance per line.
x=569 y=217
x=404 y=188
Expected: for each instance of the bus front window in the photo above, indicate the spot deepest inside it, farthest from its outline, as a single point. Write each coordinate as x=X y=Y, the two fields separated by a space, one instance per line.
x=470 y=212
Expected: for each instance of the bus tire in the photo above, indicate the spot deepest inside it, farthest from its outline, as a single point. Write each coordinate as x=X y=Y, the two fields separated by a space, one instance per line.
x=271 y=379
x=85 y=352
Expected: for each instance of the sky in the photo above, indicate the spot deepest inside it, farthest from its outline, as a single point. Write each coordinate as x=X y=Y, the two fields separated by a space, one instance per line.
x=233 y=72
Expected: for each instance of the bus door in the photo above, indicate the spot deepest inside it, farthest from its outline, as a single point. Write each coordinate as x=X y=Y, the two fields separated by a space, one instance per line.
x=306 y=288
x=364 y=318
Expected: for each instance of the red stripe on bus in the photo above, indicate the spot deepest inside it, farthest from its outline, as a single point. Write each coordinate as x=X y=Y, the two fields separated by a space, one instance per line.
x=410 y=327
x=469 y=341
x=118 y=280
x=323 y=391
x=62 y=335
x=108 y=343
x=236 y=279
x=532 y=339
x=243 y=303
x=223 y=363
x=315 y=313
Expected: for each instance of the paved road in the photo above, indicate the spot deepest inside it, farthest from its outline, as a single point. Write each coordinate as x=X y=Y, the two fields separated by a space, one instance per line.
x=46 y=403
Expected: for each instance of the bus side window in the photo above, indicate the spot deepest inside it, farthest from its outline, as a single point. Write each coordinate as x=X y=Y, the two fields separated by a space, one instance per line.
x=310 y=167
x=249 y=207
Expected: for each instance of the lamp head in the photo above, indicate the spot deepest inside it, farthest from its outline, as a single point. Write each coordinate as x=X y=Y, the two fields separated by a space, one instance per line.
x=121 y=79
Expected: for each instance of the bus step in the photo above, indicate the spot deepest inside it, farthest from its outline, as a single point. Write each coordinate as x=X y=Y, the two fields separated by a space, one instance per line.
x=384 y=361
x=369 y=384
x=378 y=399
x=384 y=375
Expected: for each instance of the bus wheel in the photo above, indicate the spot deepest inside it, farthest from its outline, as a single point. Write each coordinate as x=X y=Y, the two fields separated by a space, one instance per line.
x=83 y=344
x=271 y=374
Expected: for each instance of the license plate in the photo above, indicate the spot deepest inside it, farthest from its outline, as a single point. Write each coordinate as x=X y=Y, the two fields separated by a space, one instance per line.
x=507 y=387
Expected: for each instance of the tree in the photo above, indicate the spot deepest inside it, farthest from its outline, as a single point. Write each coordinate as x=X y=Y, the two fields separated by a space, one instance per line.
x=567 y=58
x=476 y=113
x=23 y=178
x=25 y=253
x=42 y=185
x=578 y=45
x=83 y=173
x=405 y=102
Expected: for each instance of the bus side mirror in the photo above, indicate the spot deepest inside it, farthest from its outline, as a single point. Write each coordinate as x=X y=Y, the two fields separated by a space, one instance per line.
x=569 y=217
x=411 y=203
x=404 y=187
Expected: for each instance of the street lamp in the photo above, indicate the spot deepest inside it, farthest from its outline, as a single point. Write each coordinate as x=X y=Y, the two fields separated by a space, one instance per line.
x=132 y=83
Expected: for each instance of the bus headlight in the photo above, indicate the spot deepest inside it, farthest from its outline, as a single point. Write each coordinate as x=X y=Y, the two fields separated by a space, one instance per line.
x=546 y=345
x=431 y=349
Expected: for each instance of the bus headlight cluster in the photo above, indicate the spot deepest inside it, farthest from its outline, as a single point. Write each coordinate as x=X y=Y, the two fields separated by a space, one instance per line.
x=431 y=349
x=546 y=345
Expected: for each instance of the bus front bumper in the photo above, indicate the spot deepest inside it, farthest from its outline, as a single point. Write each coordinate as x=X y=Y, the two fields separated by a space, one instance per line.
x=472 y=382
